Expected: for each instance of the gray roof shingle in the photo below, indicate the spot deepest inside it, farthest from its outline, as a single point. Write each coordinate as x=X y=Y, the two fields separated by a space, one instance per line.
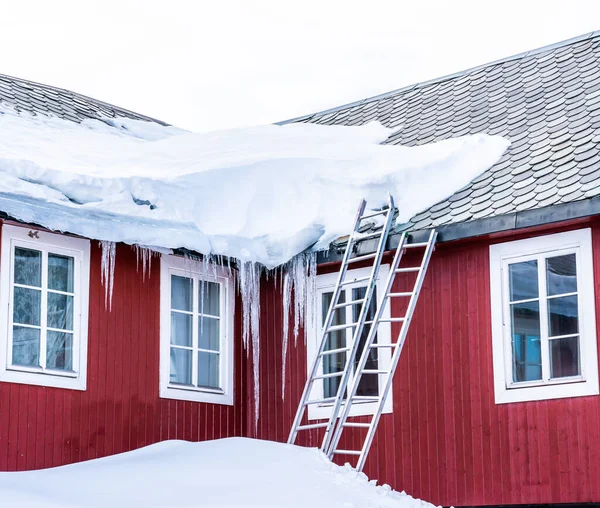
x=36 y=99
x=546 y=102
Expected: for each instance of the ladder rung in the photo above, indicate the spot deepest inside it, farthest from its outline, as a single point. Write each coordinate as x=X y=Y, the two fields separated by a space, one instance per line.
x=320 y=401
x=374 y=214
x=327 y=376
x=409 y=269
x=313 y=426
x=362 y=236
x=345 y=304
x=362 y=258
x=334 y=351
x=383 y=345
x=374 y=371
x=353 y=281
x=347 y=452
x=357 y=424
x=397 y=295
x=363 y=398
x=335 y=328
x=415 y=245
x=387 y=320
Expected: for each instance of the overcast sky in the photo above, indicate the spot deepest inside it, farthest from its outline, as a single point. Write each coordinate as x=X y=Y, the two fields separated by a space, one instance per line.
x=207 y=65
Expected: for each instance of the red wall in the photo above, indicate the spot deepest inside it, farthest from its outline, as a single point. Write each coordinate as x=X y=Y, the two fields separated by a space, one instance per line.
x=120 y=410
x=447 y=441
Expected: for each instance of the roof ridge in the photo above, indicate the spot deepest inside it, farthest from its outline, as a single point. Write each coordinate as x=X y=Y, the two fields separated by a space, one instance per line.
x=86 y=97
x=447 y=77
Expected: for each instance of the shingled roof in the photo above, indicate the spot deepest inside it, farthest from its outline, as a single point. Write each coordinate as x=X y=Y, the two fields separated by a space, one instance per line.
x=36 y=99
x=546 y=102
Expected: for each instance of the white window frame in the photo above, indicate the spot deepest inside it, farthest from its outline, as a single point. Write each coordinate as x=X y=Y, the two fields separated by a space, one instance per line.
x=45 y=242
x=184 y=267
x=326 y=283
x=501 y=255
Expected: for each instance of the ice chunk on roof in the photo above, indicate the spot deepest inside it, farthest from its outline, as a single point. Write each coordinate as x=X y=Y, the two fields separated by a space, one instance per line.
x=234 y=472
x=260 y=194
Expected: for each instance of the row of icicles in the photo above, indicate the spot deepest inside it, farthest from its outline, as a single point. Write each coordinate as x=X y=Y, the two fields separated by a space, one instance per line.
x=296 y=280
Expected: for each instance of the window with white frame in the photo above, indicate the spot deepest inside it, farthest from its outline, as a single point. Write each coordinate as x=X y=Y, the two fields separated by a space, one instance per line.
x=543 y=318
x=379 y=358
x=196 y=357
x=44 y=286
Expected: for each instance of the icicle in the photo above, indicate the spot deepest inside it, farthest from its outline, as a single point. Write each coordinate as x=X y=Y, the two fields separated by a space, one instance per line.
x=298 y=287
x=144 y=256
x=287 y=300
x=107 y=270
x=250 y=274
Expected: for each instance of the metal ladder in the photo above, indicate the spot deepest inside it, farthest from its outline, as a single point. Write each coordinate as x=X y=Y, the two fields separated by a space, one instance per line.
x=316 y=371
x=384 y=375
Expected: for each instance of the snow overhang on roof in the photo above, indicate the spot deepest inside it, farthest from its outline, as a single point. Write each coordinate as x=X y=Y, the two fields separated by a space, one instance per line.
x=259 y=195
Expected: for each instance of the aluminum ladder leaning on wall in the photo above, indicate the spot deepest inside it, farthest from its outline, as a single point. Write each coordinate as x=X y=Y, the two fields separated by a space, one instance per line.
x=316 y=371
x=385 y=375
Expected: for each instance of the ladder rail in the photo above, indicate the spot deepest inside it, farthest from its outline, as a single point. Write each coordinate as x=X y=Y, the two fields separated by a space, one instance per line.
x=397 y=350
x=341 y=390
x=315 y=364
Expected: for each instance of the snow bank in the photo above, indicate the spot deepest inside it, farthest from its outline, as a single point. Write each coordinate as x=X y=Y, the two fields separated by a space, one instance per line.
x=261 y=194
x=232 y=473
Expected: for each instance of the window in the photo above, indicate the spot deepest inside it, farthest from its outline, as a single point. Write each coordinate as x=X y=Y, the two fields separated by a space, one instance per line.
x=543 y=318
x=44 y=285
x=196 y=358
x=379 y=359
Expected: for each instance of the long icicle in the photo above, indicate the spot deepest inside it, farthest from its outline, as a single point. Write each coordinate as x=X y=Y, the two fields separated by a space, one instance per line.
x=250 y=274
x=107 y=270
x=299 y=279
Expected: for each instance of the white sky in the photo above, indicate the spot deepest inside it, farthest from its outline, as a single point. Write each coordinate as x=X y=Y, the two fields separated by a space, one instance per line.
x=213 y=64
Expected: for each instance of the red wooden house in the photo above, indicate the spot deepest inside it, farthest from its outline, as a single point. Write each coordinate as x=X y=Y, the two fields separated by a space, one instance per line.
x=496 y=398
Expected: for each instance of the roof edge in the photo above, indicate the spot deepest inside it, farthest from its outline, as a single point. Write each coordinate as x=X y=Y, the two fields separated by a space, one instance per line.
x=447 y=77
x=86 y=97
x=501 y=223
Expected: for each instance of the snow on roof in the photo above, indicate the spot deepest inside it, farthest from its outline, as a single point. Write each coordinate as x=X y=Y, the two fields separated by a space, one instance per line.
x=234 y=472
x=260 y=194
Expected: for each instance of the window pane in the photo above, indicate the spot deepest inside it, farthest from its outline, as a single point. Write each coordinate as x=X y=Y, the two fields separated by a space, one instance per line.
x=564 y=357
x=523 y=280
x=181 y=366
x=208 y=333
x=181 y=329
x=369 y=383
x=527 y=353
x=60 y=311
x=335 y=340
x=562 y=316
x=26 y=346
x=181 y=293
x=28 y=267
x=59 y=351
x=26 y=306
x=60 y=273
x=209 y=297
x=561 y=274
x=208 y=369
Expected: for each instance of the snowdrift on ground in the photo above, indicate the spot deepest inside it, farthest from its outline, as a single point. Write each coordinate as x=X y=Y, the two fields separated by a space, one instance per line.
x=232 y=473
x=260 y=194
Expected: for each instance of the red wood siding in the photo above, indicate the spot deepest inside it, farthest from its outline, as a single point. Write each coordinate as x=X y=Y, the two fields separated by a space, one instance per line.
x=120 y=410
x=447 y=441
